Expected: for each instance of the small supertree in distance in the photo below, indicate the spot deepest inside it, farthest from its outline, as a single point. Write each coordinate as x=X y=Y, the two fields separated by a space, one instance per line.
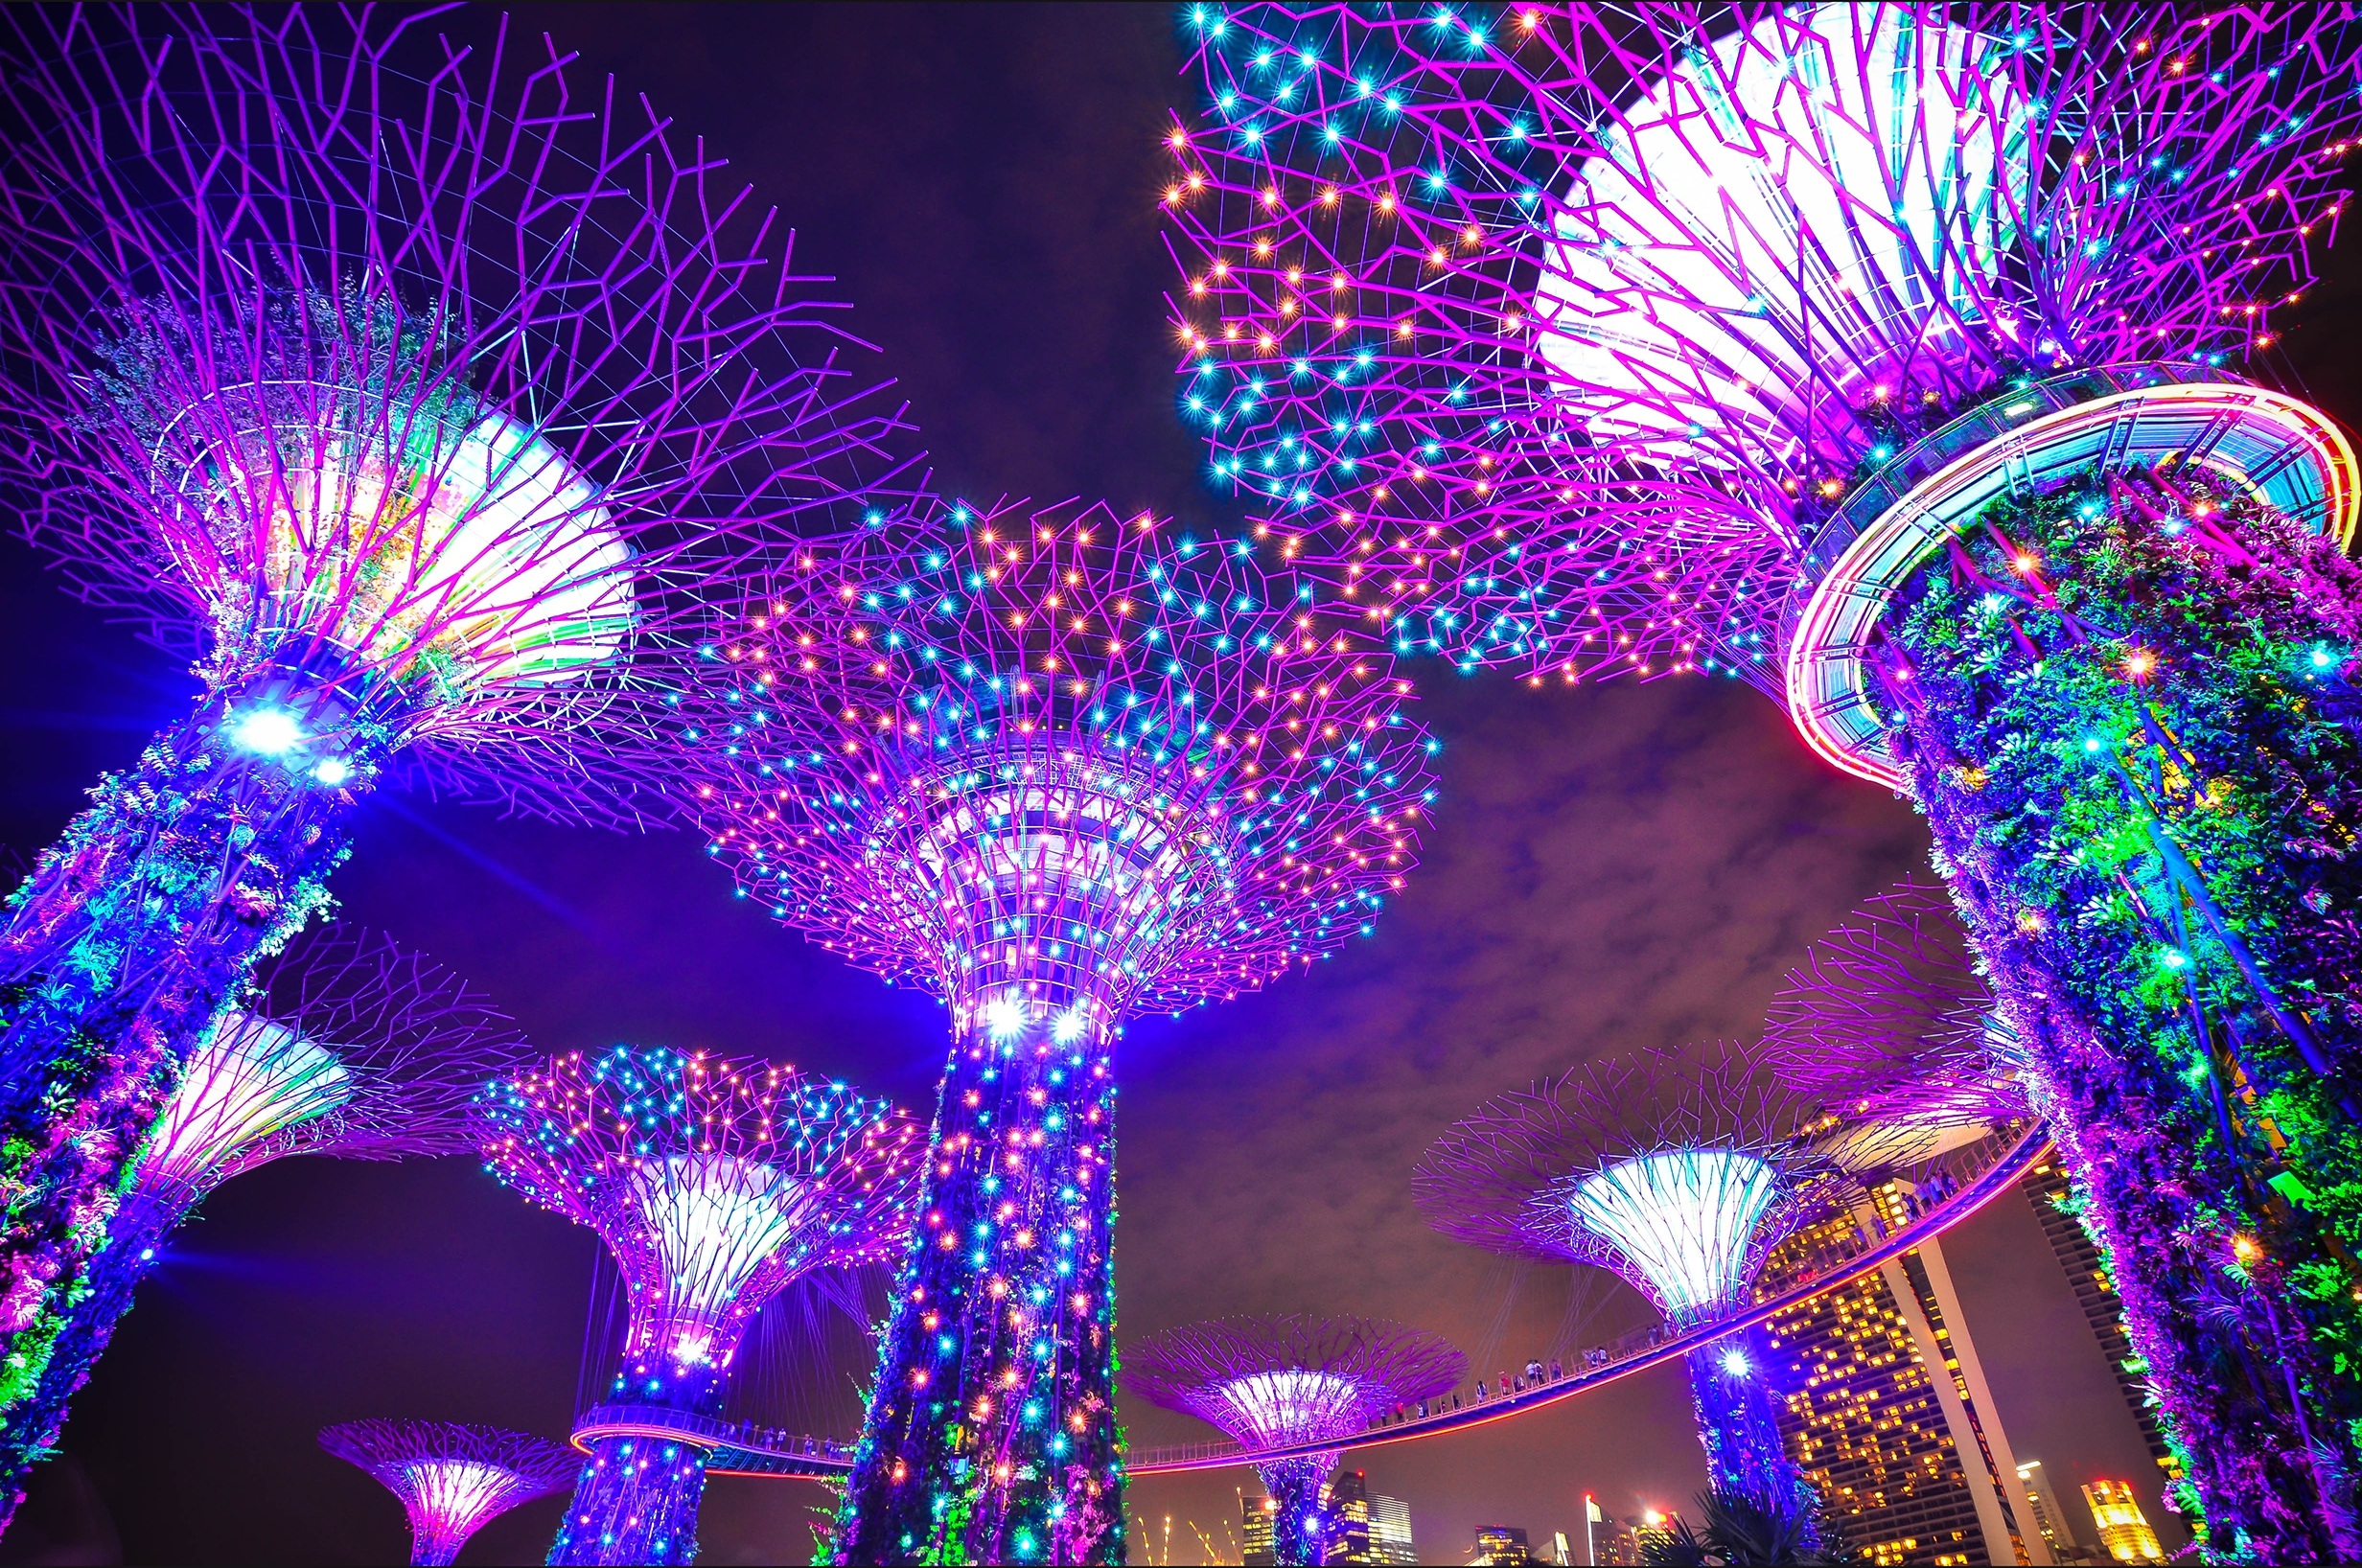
x=1890 y=358
x=714 y=1184
x=452 y=1480
x=1888 y=1022
x=418 y=395
x=1280 y=1381
x=1678 y=1169
x=1061 y=766
x=346 y=1046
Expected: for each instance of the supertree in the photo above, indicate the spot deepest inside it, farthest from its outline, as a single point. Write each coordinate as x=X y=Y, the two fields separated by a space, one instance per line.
x=714 y=1184
x=452 y=1480
x=1888 y=1024
x=345 y=1046
x=419 y=406
x=1887 y=357
x=1678 y=1169
x=1278 y=1381
x=1059 y=767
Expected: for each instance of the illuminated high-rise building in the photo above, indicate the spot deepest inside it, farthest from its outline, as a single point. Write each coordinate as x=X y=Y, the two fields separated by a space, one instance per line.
x=2123 y=1529
x=1346 y=1499
x=2044 y=1187
x=1887 y=1409
x=1500 y=1545
x=1254 y=1529
x=2050 y=1520
x=1390 y=1532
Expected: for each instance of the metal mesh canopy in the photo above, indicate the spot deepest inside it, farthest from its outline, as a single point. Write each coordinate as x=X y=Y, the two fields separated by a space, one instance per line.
x=1678 y=1169
x=1888 y=1019
x=411 y=370
x=1274 y=1381
x=715 y=1184
x=452 y=1479
x=1566 y=325
x=351 y=1047
x=1060 y=763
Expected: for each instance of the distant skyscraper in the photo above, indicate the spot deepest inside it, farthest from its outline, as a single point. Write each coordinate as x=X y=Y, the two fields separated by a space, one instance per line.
x=2123 y=1529
x=1255 y=1529
x=2050 y=1520
x=1390 y=1532
x=1503 y=1546
x=1617 y=1543
x=1886 y=1408
x=1349 y=1504
x=1564 y=1559
x=2096 y=1292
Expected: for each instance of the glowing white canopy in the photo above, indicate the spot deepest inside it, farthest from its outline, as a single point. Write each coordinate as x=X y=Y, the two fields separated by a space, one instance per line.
x=1279 y=1407
x=489 y=549
x=251 y=1078
x=458 y=1494
x=1800 y=213
x=1683 y=1219
x=713 y=1219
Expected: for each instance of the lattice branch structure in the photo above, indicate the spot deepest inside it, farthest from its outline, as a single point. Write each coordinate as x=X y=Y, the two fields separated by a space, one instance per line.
x=1678 y=1169
x=1278 y=1381
x=715 y=1185
x=1895 y=359
x=347 y=1046
x=1568 y=323
x=452 y=1480
x=1059 y=764
x=422 y=393
x=1888 y=1022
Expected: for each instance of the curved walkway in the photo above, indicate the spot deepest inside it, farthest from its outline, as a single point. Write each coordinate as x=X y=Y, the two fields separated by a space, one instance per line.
x=1971 y=1177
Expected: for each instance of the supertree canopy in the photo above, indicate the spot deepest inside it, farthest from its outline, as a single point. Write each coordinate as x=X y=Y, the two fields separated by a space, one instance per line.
x=1280 y=1381
x=1889 y=357
x=1888 y=1022
x=417 y=396
x=345 y=1046
x=1058 y=766
x=452 y=1479
x=1679 y=1170
x=715 y=1185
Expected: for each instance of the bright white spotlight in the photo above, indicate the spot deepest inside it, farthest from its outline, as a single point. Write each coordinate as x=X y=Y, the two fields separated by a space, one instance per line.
x=268 y=731
x=1004 y=1017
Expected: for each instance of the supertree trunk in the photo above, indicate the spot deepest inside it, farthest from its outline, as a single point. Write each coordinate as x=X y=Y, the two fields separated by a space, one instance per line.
x=2126 y=712
x=1740 y=1432
x=638 y=1499
x=30 y=1429
x=991 y=1434
x=118 y=952
x=1301 y=1525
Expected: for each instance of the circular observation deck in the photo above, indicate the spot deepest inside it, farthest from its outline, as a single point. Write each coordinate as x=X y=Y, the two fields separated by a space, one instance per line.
x=2280 y=449
x=1964 y=1178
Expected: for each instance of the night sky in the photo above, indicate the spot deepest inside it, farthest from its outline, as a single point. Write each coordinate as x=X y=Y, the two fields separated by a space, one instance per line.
x=1612 y=867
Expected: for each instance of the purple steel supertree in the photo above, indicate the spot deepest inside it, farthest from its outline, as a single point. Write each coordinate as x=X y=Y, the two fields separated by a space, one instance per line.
x=452 y=1480
x=347 y=1046
x=715 y=1185
x=420 y=402
x=1678 y=1169
x=1280 y=1381
x=1887 y=357
x=1888 y=1022
x=1060 y=767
